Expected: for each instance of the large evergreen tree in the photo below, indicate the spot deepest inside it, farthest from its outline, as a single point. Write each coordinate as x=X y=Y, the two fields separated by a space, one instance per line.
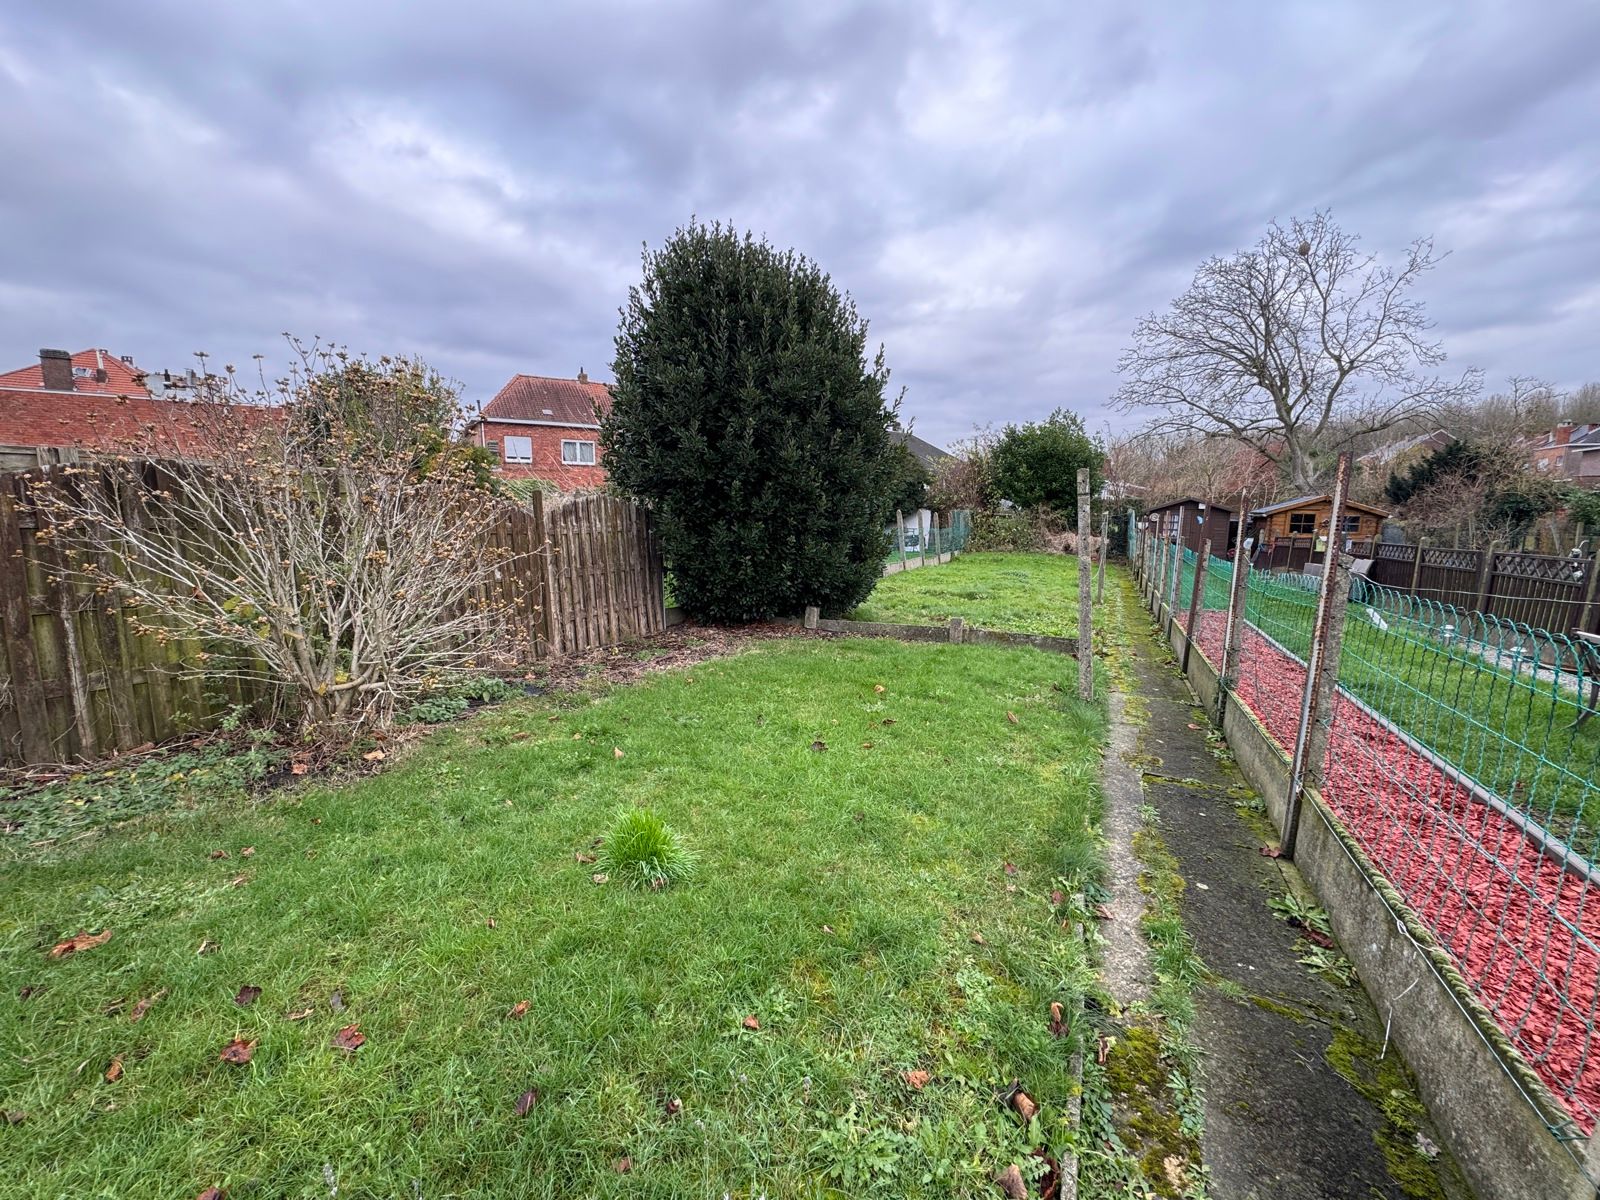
x=747 y=415
x=1036 y=464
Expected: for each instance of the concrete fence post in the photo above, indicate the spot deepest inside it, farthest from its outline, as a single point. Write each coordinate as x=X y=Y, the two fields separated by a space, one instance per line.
x=1085 y=622
x=900 y=536
x=922 y=540
x=1105 y=537
x=1322 y=666
x=813 y=615
x=1196 y=599
x=1175 y=583
x=1233 y=630
x=956 y=625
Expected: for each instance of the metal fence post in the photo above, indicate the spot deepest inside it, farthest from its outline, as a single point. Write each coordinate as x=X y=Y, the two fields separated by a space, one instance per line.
x=1085 y=623
x=1322 y=665
x=1105 y=536
x=1196 y=597
x=1232 y=631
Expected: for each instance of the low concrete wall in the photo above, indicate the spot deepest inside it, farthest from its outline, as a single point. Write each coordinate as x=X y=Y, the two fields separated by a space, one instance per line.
x=954 y=632
x=1489 y=1106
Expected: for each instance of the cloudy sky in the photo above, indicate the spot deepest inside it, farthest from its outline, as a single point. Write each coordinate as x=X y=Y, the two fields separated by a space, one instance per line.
x=1005 y=188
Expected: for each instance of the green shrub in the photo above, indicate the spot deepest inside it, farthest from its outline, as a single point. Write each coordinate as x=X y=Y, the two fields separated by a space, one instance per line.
x=640 y=850
x=451 y=702
x=1008 y=529
x=747 y=414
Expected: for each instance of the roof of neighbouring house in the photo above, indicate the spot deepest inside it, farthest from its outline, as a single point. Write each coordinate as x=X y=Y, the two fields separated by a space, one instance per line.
x=1308 y=501
x=544 y=398
x=1439 y=438
x=1185 y=502
x=122 y=378
x=924 y=452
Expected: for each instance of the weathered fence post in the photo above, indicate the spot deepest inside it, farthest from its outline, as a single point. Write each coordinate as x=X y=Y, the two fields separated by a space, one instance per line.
x=922 y=540
x=1085 y=623
x=900 y=536
x=1196 y=598
x=813 y=615
x=1485 y=578
x=956 y=627
x=1232 y=631
x=1416 y=569
x=1322 y=666
x=1590 y=592
x=1175 y=584
x=1105 y=536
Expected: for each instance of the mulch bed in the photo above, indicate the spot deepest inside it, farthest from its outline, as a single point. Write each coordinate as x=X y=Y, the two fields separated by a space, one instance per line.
x=1523 y=931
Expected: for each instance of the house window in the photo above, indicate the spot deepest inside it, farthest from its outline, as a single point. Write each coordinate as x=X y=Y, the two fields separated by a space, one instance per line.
x=577 y=454
x=1302 y=523
x=519 y=450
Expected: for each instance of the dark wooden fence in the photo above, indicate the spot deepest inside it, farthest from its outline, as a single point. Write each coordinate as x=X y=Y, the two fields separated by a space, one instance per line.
x=77 y=683
x=1547 y=591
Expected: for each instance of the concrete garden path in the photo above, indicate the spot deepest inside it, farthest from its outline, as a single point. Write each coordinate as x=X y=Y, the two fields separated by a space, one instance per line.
x=1302 y=1101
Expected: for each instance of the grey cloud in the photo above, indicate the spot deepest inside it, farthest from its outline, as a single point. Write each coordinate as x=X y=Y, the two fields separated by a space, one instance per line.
x=1004 y=192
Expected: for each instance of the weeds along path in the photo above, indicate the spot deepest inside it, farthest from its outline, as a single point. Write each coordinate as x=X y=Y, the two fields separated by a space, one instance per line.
x=1265 y=1045
x=1524 y=932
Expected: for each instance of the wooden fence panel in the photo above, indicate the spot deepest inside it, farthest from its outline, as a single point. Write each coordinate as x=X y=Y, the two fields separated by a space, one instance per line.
x=76 y=681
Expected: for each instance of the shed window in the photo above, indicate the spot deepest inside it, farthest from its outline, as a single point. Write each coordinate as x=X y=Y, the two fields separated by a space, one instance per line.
x=1302 y=523
x=1352 y=524
x=577 y=454
x=519 y=450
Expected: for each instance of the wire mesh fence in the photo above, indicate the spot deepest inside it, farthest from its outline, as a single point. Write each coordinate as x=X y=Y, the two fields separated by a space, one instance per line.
x=919 y=538
x=1463 y=757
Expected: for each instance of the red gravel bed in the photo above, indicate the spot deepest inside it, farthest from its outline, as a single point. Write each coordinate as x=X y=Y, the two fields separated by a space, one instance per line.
x=1522 y=931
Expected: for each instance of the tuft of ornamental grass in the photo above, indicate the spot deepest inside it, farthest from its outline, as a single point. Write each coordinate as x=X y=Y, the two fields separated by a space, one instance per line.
x=642 y=851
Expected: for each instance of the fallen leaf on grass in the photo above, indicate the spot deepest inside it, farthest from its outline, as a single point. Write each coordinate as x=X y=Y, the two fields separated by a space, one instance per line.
x=978 y=940
x=526 y=1101
x=247 y=995
x=240 y=880
x=27 y=991
x=599 y=877
x=1012 y=717
x=114 y=1071
x=1271 y=852
x=238 y=1052
x=887 y=721
x=492 y=923
x=916 y=1080
x=1103 y=1048
x=819 y=745
x=216 y=854
x=879 y=688
x=80 y=941
x=1058 y=1027
x=1023 y=1103
x=827 y=929
x=582 y=857
x=247 y=851
x=299 y=1016
x=349 y=1039
x=298 y=768
x=673 y=1106
x=15 y=1116
x=373 y=756
x=866 y=745
x=518 y=1011
x=616 y=752
x=1057 y=898
x=750 y=1022
x=207 y=946
x=212 y=1193
x=1102 y=913
x=144 y=1006
x=623 y=1165
x=1010 y=1181
x=1011 y=868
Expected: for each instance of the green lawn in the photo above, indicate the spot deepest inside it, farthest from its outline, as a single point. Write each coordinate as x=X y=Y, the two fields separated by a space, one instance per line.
x=854 y=900
x=1029 y=593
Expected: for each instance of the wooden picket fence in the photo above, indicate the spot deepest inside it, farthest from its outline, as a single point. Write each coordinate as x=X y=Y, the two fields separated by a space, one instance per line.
x=77 y=683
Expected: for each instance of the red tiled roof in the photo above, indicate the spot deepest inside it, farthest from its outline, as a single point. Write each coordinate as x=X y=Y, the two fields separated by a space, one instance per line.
x=541 y=398
x=122 y=379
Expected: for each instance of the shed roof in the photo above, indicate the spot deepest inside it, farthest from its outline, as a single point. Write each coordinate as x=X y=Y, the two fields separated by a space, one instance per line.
x=1191 y=501
x=1310 y=501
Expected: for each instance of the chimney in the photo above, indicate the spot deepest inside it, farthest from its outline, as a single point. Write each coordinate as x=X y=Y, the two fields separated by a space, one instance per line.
x=582 y=378
x=56 y=366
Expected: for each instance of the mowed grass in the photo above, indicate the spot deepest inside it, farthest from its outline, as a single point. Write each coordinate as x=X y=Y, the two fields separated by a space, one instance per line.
x=1029 y=593
x=435 y=897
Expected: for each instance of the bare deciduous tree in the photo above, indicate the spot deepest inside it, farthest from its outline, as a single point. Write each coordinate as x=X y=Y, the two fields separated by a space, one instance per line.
x=278 y=537
x=1294 y=347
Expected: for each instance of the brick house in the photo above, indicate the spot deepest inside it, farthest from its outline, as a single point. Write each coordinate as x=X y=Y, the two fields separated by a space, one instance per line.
x=1569 y=452
x=545 y=428
x=91 y=400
